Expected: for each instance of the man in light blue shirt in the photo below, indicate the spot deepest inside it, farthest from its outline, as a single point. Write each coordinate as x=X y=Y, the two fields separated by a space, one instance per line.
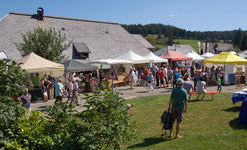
x=59 y=91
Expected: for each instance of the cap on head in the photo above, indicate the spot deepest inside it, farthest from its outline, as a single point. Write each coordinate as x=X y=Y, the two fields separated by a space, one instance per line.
x=180 y=81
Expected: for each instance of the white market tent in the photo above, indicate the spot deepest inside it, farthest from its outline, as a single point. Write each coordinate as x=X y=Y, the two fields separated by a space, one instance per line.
x=194 y=56
x=111 y=61
x=34 y=63
x=207 y=55
x=155 y=59
x=3 y=55
x=133 y=57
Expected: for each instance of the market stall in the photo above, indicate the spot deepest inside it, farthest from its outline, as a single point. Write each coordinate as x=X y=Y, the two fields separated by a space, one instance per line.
x=155 y=59
x=175 y=56
x=194 y=56
x=229 y=60
x=33 y=63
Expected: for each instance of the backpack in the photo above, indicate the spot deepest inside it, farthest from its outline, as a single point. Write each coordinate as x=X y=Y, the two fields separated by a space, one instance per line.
x=166 y=120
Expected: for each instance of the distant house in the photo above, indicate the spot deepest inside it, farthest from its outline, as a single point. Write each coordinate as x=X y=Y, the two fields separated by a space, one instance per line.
x=92 y=40
x=219 y=47
x=185 y=49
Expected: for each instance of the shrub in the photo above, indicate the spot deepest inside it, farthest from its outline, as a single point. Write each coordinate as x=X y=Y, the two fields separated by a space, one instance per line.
x=104 y=124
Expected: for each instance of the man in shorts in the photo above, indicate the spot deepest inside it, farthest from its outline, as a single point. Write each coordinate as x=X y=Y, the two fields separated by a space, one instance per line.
x=178 y=100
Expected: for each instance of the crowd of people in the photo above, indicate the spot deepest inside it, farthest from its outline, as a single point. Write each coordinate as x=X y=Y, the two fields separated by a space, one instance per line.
x=196 y=76
x=50 y=89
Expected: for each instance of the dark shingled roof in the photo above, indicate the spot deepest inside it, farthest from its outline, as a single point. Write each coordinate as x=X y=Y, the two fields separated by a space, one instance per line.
x=78 y=66
x=81 y=47
x=105 y=40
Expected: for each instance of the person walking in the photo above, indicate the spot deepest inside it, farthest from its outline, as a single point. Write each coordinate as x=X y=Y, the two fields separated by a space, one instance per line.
x=219 y=83
x=70 y=90
x=157 y=76
x=178 y=106
x=75 y=91
x=132 y=78
x=59 y=91
x=150 y=79
x=165 y=71
x=175 y=78
x=170 y=73
x=51 y=87
x=188 y=86
x=45 y=88
x=26 y=100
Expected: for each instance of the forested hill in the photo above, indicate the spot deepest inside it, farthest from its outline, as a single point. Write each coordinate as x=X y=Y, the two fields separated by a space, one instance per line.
x=175 y=32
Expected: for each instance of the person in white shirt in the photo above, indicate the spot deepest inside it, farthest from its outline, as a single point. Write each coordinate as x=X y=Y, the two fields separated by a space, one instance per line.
x=132 y=78
x=201 y=88
x=165 y=75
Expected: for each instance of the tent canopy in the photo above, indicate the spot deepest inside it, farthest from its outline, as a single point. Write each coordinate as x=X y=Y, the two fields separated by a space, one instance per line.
x=175 y=56
x=194 y=56
x=133 y=57
x=111 y=61
x=35 y=63
x=74 y=65
x=155 y=59
x=226 y=58
x=207 y=55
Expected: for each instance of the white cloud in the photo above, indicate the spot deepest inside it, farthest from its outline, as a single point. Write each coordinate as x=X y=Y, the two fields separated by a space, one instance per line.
x=171 y=15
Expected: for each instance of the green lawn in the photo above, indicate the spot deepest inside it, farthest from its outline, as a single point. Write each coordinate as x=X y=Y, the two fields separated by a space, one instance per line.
x=207 y=124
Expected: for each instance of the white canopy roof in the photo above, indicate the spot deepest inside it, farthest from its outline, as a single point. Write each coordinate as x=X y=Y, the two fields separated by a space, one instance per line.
x=207 y=55
x=155 y=59
x=3 y=55
x=133 y=57
x=35 y=63
x=194 y=56
x=111 y=61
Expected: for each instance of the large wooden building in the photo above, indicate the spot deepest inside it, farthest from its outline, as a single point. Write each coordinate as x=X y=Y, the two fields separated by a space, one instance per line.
x=92 y=40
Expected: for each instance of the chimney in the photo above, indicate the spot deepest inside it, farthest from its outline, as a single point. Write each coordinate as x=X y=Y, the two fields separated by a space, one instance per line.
x=40 y=13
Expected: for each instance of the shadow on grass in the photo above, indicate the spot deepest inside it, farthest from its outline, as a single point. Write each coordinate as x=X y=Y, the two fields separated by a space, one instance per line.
x=149 y=142
x=236 y=125
x=142 y=91
x=196 y=100
x=233 y=109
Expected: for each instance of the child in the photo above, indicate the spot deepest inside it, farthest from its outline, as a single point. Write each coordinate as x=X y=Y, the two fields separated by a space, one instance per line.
x=219 y=83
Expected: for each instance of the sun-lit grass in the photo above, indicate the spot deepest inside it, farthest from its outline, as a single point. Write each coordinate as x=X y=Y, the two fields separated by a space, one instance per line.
x=208 y=124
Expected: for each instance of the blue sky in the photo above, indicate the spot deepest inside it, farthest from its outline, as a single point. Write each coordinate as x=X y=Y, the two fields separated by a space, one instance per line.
x=199 y=15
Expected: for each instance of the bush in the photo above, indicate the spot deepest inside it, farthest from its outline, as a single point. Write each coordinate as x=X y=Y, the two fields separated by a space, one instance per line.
x=102 y=125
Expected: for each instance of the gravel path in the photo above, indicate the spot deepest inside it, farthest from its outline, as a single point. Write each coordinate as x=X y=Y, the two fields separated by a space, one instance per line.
x=127 y=93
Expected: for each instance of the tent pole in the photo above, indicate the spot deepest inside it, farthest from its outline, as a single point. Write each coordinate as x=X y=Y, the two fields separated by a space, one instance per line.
x=112 y=85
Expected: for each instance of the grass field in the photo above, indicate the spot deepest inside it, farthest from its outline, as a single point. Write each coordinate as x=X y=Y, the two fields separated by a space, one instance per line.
x=208 y=124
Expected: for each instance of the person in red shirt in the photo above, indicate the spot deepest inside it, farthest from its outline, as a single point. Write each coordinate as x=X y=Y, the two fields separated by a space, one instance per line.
x=161 y=77
x=145 y=74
